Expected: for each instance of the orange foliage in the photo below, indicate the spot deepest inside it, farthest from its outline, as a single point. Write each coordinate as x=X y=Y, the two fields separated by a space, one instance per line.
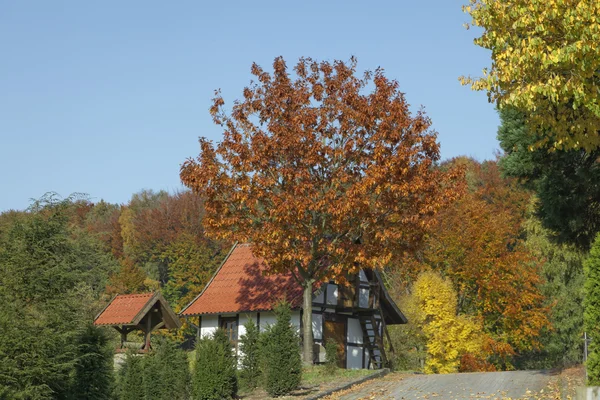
x=320 y=176
x=129 y=279
x=310 y=167
x=478 y=244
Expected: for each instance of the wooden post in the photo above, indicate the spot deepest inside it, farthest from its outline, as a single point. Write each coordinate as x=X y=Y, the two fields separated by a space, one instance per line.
x=148 y=329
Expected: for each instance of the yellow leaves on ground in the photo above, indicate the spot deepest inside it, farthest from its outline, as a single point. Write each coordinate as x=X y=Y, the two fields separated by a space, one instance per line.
x=449 y=336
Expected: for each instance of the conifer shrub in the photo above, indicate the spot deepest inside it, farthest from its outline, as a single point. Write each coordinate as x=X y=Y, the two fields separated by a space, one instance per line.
x=591 y=314
x=131 y=378
x=215 y=372
x=250 y=356
x=93 y=377
x=283 y=367
x=331 y=356
x=166 y=372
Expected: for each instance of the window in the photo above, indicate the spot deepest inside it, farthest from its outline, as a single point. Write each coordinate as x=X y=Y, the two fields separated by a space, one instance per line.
x=230 y=326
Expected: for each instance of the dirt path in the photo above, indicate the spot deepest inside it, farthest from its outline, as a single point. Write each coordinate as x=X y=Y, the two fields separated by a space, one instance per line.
x=479 y=385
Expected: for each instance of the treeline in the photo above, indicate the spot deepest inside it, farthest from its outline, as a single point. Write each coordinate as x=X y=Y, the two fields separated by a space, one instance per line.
x=497 y=285
x=499 y=281
x=61 y=261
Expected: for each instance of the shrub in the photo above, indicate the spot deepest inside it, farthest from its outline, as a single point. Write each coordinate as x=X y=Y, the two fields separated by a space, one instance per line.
x=131 y=378
x=283 y=370
x=591 y=314
x=250 y=351
x=215 y=375
x=166 y=372
x=331 y=356
x=93 y=377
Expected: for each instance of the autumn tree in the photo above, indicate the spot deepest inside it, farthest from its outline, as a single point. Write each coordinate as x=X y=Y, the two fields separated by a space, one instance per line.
x=323 y=172
x=449 y=336
x=545 y=62
x=478 y=244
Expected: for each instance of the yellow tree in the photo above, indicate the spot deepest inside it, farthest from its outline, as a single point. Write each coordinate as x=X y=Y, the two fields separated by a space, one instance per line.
x=449 y=336
x=322 y=172
x=545 y=62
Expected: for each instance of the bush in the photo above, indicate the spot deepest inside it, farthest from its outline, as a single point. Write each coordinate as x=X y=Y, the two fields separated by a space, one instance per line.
x=93 y=377
x=215 y=374
x=131 y=378
x=591 y=314
x=283 y=369
x=166 y=372
x=250 y=351
x=331 y=356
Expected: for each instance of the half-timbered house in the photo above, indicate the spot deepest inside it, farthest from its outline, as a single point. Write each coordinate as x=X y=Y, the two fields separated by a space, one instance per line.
x=355 y=316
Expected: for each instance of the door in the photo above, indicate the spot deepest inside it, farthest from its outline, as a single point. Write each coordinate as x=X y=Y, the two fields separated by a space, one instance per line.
x=230 y=326
x=336 y=330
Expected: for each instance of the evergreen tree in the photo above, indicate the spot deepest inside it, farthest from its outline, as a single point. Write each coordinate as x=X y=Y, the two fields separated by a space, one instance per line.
x=567 y=182
x=131 y=378
x=562 y=270
x=93 y=367
x=283 y=371
x=166 y=372
x=591 y=313
x=215 y=373
x=250 y=354
x=46 y=286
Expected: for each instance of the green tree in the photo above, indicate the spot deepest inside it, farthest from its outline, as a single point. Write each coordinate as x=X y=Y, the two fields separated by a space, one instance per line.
x=250 y=356
x=215 y=373
x=562 y=270
x=93 y=379
x=131 y=378
x=546 y=62
x=283 y=369
x=567 y=182
x=47 y=274
x=591 y=314
x=166 y=372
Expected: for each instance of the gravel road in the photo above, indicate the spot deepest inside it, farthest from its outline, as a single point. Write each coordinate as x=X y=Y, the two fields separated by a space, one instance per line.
x=478 y=385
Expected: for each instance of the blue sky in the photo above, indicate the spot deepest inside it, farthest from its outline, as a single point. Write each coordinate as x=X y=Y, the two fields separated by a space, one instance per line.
x=108 y=98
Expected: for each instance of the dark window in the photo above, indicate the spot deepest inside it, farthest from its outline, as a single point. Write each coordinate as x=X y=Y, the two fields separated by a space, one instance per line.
x=230 y=326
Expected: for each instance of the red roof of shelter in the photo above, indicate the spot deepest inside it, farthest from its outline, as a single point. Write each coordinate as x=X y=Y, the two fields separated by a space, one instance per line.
x=239 y=286
x=123 y=309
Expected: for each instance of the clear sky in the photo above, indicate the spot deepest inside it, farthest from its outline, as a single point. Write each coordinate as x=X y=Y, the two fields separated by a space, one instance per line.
x=109 y=97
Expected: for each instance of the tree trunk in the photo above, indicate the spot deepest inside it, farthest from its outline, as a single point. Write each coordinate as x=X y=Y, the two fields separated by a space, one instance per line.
x=307 y=333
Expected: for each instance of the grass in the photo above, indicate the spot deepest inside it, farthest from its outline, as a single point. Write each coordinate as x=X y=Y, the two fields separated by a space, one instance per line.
x=316 y=375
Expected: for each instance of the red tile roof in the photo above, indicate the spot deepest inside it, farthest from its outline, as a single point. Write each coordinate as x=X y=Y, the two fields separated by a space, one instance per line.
x=239 y=286
x=123 y=309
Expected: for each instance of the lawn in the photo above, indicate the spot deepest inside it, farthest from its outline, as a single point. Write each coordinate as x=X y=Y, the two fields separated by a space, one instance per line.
x=314 y=380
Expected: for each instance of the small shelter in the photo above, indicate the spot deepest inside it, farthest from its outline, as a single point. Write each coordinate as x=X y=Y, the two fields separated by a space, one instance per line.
x=355 y=316
x=146 y=312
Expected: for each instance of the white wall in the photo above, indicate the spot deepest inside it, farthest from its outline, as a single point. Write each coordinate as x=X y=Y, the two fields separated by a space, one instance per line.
x=266 y=318
x=210 y=323
x=296 y=320
x=243 y=319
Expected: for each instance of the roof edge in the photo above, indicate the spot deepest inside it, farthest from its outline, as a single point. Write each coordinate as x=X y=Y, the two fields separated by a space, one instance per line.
x=209 y=282
x=105 y=307
x=389 y=299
